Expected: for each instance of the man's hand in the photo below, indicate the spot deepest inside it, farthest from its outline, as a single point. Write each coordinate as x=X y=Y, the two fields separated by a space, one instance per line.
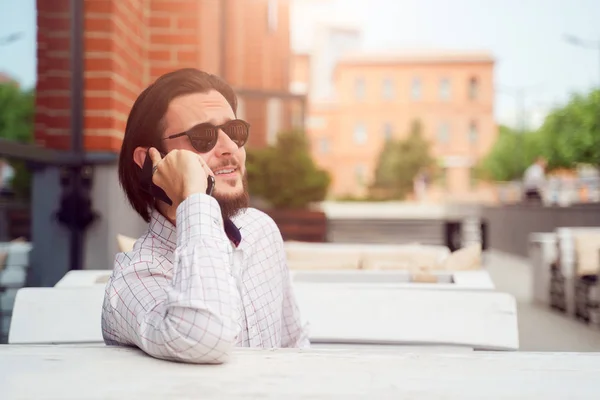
x=180 y=174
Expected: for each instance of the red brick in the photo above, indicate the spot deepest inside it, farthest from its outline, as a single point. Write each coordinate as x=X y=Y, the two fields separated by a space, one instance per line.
x=53 y=6
x=104 y=44
x=173 y=39
x=160 y=55
x=94 y=103
x=101 y=23
x=102 y=143
x=174 y=6
x=54 y=23
x=55 y=101
x=187 y=56
x=99 y=122
x=155 y=72
x=160 y=22
x=99 y=83
x=187 y=22
x=98 y=6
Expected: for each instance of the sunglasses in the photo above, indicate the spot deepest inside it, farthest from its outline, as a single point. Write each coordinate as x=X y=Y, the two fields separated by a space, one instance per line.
x=204 y=137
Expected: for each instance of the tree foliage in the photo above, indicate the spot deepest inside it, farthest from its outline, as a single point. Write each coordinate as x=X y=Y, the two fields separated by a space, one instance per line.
x=17 y=111
x=512 y=153
x=570 y=135
x=399 y=163
x=285 y=174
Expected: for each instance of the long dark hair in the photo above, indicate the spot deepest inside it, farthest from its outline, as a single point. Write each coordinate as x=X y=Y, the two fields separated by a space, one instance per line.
x=146 y=125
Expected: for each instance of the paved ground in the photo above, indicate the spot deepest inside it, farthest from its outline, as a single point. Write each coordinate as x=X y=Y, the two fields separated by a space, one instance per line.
x=540 y=328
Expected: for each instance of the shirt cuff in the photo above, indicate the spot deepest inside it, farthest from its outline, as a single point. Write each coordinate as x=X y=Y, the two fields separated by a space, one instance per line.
x=199 y=216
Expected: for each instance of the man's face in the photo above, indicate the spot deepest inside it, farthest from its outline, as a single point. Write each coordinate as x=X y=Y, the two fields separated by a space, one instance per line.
x=186 y=111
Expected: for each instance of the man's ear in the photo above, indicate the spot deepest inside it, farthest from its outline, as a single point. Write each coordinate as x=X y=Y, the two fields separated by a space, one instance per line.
x=139 y=155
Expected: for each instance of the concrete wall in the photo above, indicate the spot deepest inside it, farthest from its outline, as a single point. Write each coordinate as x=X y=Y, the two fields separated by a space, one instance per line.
x=509 y=226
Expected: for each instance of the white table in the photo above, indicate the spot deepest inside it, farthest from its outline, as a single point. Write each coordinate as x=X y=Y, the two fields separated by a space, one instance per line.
x=96 y=372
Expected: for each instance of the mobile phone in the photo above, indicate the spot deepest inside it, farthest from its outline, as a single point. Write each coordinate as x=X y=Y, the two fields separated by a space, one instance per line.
x=156 y=191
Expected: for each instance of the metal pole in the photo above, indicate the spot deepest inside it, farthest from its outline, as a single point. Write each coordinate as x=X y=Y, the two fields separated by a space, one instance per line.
x=77 y=107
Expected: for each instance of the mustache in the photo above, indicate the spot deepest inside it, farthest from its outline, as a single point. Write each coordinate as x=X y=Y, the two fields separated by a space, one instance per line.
x=230 y=163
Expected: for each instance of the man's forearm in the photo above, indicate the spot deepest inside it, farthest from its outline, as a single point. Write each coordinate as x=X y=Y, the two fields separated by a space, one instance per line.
x=199 y=321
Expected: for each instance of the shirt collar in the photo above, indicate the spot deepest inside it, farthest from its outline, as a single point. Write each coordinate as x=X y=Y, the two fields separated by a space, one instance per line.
x=165 y=231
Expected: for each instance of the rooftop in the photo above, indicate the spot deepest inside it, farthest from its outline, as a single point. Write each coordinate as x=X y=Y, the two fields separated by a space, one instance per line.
x=416 y=57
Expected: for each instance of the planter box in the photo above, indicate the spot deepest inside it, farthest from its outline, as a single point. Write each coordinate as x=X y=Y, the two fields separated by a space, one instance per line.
x=300 y=225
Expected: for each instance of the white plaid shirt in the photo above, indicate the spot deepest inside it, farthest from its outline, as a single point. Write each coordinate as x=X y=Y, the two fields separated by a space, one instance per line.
x=187 y=293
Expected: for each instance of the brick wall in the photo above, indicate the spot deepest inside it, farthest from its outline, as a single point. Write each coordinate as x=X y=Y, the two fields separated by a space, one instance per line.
x=129 y=43
x=52 y=98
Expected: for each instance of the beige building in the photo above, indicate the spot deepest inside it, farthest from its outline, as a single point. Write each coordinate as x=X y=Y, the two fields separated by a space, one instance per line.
x=376 y=97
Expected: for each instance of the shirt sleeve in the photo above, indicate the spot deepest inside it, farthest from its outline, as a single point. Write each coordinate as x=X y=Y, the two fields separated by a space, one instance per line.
x=193 y=316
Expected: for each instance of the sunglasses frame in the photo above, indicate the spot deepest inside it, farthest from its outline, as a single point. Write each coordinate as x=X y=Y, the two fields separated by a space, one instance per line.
x=217 y=127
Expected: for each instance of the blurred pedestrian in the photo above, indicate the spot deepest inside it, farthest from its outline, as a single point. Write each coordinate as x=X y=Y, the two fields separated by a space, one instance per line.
x=534 y=181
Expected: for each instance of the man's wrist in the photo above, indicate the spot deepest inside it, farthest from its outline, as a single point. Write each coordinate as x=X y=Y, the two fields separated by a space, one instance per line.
x=199 y=215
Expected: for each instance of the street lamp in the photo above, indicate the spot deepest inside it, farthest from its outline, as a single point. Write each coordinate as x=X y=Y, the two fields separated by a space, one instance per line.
x=586 y=44
x=13 y=37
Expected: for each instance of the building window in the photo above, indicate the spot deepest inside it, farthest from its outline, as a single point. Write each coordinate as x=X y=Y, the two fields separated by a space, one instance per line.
x=388 y=89
x=360 y=133
x=416 y=89
x=443 y=133
x=473 y=133
x=445 y=89
x=359 y=174
x=388 y=131
x=473 y=88
x=272 y=20
x=324 y=145
x=359 y=89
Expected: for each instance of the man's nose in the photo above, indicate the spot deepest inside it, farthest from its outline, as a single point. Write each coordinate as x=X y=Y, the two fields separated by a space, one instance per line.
x=225 y=145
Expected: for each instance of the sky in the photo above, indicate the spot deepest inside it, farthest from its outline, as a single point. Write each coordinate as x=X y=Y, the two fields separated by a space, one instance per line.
x=526 y=37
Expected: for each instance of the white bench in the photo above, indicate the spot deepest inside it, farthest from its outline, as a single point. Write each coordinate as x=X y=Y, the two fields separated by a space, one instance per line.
x=337 y=314
x=57 y=315
x=434 y=280
x=14 y=262
x=83 y=278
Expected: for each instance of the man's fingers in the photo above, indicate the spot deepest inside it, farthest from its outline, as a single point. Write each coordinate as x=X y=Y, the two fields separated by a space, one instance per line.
x=205 y=166
x=154 y=156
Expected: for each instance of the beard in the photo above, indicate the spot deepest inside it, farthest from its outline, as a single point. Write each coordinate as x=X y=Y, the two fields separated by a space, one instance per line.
x=232 y=205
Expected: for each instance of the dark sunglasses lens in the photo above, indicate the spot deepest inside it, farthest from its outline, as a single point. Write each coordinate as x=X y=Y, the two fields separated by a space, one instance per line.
x=203 y=137
x=237 y=131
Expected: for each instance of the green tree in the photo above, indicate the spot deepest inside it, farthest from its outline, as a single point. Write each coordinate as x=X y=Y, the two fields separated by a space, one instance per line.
x=16 y=113
x=398 y=164
x=571 y=134
x=285 y=174
x=17 y=109
x=512 y=153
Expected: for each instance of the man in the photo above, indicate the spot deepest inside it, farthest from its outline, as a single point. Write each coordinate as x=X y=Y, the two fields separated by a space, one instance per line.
x=534 y=180
x=210 y=273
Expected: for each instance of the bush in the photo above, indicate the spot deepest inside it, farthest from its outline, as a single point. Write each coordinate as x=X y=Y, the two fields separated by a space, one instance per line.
x=285 y=174
x=17 y=111
x=399 y=163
